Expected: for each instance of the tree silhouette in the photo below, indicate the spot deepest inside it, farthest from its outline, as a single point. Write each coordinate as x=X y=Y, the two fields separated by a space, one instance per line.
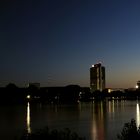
x=130 y=131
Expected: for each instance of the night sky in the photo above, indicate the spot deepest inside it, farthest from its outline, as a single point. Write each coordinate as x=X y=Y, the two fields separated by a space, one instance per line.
x=55 y=42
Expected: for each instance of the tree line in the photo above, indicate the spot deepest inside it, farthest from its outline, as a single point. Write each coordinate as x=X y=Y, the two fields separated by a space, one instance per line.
x=71 y=93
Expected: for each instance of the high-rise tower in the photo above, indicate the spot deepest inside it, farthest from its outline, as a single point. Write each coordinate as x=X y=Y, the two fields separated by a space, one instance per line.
x=97 y=77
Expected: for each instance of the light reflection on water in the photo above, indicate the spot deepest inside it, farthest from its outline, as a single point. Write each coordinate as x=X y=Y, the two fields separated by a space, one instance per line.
x=106 y=117
x=115 y=107
x=111 y=116
x=111 y=106
x=28 y=119
x=94 y=120
x=137 y=115
x=98 y=126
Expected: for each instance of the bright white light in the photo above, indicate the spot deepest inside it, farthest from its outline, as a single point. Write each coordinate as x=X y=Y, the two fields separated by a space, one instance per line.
x=92 y=65
x=28 y=97
x=137 y=86
x=109 y=90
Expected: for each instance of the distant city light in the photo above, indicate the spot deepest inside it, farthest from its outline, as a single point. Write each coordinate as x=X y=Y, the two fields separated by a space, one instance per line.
x=137 y=86
x=28 y=97
x=109 y=90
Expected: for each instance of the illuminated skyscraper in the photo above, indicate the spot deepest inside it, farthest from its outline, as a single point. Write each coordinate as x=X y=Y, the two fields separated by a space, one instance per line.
x=97 y=77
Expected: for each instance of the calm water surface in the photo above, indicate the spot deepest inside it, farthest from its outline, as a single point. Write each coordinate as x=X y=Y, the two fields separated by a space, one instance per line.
x=93 y=120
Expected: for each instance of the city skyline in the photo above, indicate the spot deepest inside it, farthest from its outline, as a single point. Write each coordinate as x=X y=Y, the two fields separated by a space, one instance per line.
x=55 y=42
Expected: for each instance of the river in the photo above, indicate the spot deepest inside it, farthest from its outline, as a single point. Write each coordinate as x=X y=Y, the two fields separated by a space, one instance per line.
x=93 y=120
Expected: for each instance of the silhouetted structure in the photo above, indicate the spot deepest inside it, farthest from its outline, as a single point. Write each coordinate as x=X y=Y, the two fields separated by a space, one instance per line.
x=68 y=94
x=37 y=85
x=138 y=85
x=97 y=77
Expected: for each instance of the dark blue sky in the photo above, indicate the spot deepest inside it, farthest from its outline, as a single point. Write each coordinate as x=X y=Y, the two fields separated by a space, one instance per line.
x=55 y=42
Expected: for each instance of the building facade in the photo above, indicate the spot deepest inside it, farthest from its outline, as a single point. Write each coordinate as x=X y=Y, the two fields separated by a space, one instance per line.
x=97 y=77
